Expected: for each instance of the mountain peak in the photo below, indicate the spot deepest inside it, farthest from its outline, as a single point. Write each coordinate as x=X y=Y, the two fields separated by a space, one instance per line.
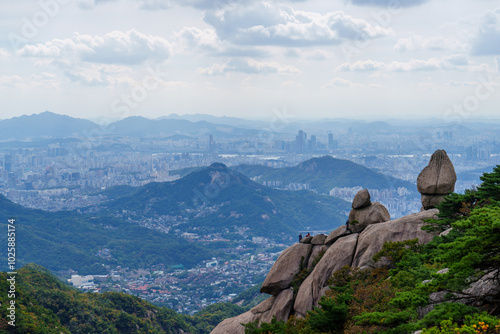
x=218 y=166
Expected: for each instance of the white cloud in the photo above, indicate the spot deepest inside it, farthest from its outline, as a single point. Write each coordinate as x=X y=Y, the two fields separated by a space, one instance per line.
x=90 y=4
x=155 y=4
x=318 y=55
x=292 y=84
x=116 y=47
x=4 y=54
x=417 y=43
x=487 y=39
x=455 y=62
x=12 y=81
x=250 y=66
x=388 y=3
x=268 y=24
x=339 y=82
x=201 y=39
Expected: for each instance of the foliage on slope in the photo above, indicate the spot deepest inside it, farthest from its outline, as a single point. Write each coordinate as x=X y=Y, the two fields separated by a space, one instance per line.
x=46 y=305
x=64 y=240
x=216 y=198
x=392 y=300
x=325 y=173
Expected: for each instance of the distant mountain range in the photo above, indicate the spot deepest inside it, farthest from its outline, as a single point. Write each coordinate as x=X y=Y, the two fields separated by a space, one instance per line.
x=66 y=239
x=50 y=125
x=44 y=125
x=217 y=199
x=323 y=173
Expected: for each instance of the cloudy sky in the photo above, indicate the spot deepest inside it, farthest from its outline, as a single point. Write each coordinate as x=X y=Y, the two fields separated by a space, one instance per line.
x=370 y=59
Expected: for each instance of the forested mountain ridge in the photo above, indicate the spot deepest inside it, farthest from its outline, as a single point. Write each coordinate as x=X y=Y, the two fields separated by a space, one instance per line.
x=68 y=240
x=215 y=198
x=43 y=304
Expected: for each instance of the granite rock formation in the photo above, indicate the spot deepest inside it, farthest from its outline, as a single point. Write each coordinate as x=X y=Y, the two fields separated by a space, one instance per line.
x=436 y=180
x=322 y=255
x=365 y=213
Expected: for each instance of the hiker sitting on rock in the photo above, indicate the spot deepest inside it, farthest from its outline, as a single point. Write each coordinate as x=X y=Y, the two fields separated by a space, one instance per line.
x=347 y=228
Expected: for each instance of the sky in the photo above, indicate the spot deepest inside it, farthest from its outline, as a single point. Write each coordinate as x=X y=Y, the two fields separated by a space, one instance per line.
x=362 y=59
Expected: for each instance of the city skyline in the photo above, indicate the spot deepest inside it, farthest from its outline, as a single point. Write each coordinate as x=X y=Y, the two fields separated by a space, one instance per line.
x=374 y=59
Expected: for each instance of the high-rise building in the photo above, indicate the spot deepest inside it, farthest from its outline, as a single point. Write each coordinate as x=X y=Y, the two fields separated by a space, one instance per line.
x=330 y=140
x=211 y=144
x=301 y=142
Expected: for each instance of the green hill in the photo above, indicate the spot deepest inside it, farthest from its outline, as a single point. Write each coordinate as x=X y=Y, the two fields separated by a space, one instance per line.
x=217 y=199
x=325 y=173
x=46 y=305
x=64 y=240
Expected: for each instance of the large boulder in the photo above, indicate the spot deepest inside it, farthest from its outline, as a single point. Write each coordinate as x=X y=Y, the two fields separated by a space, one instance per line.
x=431 y=201
x=373 y=214
x=335 y=234
x=361 y=200
x=234 y=325
x=316 y=251
x=306 y=240
x=438 y=177
x=405 y=228
x=281 y=308
x=338 y=255
x=318 y=239
x=285 y=268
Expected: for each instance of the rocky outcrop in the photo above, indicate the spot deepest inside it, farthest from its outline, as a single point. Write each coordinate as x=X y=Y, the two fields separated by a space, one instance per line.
x=341 y=249
x=306 y=240
x=234 y=325
x=361 y=200
x=337 y=256
x=286 y=267
x=373 y=214
x=374 y=236
x=281 y=308
x=335 y=234
x=317 y=250
x=318 y=239
x=370 y=228
x=436 y=179
x=483 y=289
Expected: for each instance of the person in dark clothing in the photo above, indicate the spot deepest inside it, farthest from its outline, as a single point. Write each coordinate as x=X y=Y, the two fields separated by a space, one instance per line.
x=300 y=237
x=347 y=226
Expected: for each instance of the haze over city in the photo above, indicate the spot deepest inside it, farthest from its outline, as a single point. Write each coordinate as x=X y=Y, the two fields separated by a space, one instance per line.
x=317 y=59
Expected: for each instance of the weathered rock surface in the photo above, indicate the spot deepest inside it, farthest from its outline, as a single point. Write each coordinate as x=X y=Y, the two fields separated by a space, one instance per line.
x=233 y=325
x=373 y=214
x=281 y=308
x=405 y=228
x=338 y=255
x=306 y=240
x=361 y=200
x=335 y=234
x=315 y=253
x=431 y=201
x=318 y=239
x=438 y=177
x=483 y=287
x=286 y=267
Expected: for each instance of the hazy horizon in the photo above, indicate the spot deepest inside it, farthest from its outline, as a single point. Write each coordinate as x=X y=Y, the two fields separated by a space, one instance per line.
x=314 y=59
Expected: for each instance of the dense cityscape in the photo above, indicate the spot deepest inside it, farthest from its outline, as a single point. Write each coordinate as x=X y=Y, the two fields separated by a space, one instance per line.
x=64 y=176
